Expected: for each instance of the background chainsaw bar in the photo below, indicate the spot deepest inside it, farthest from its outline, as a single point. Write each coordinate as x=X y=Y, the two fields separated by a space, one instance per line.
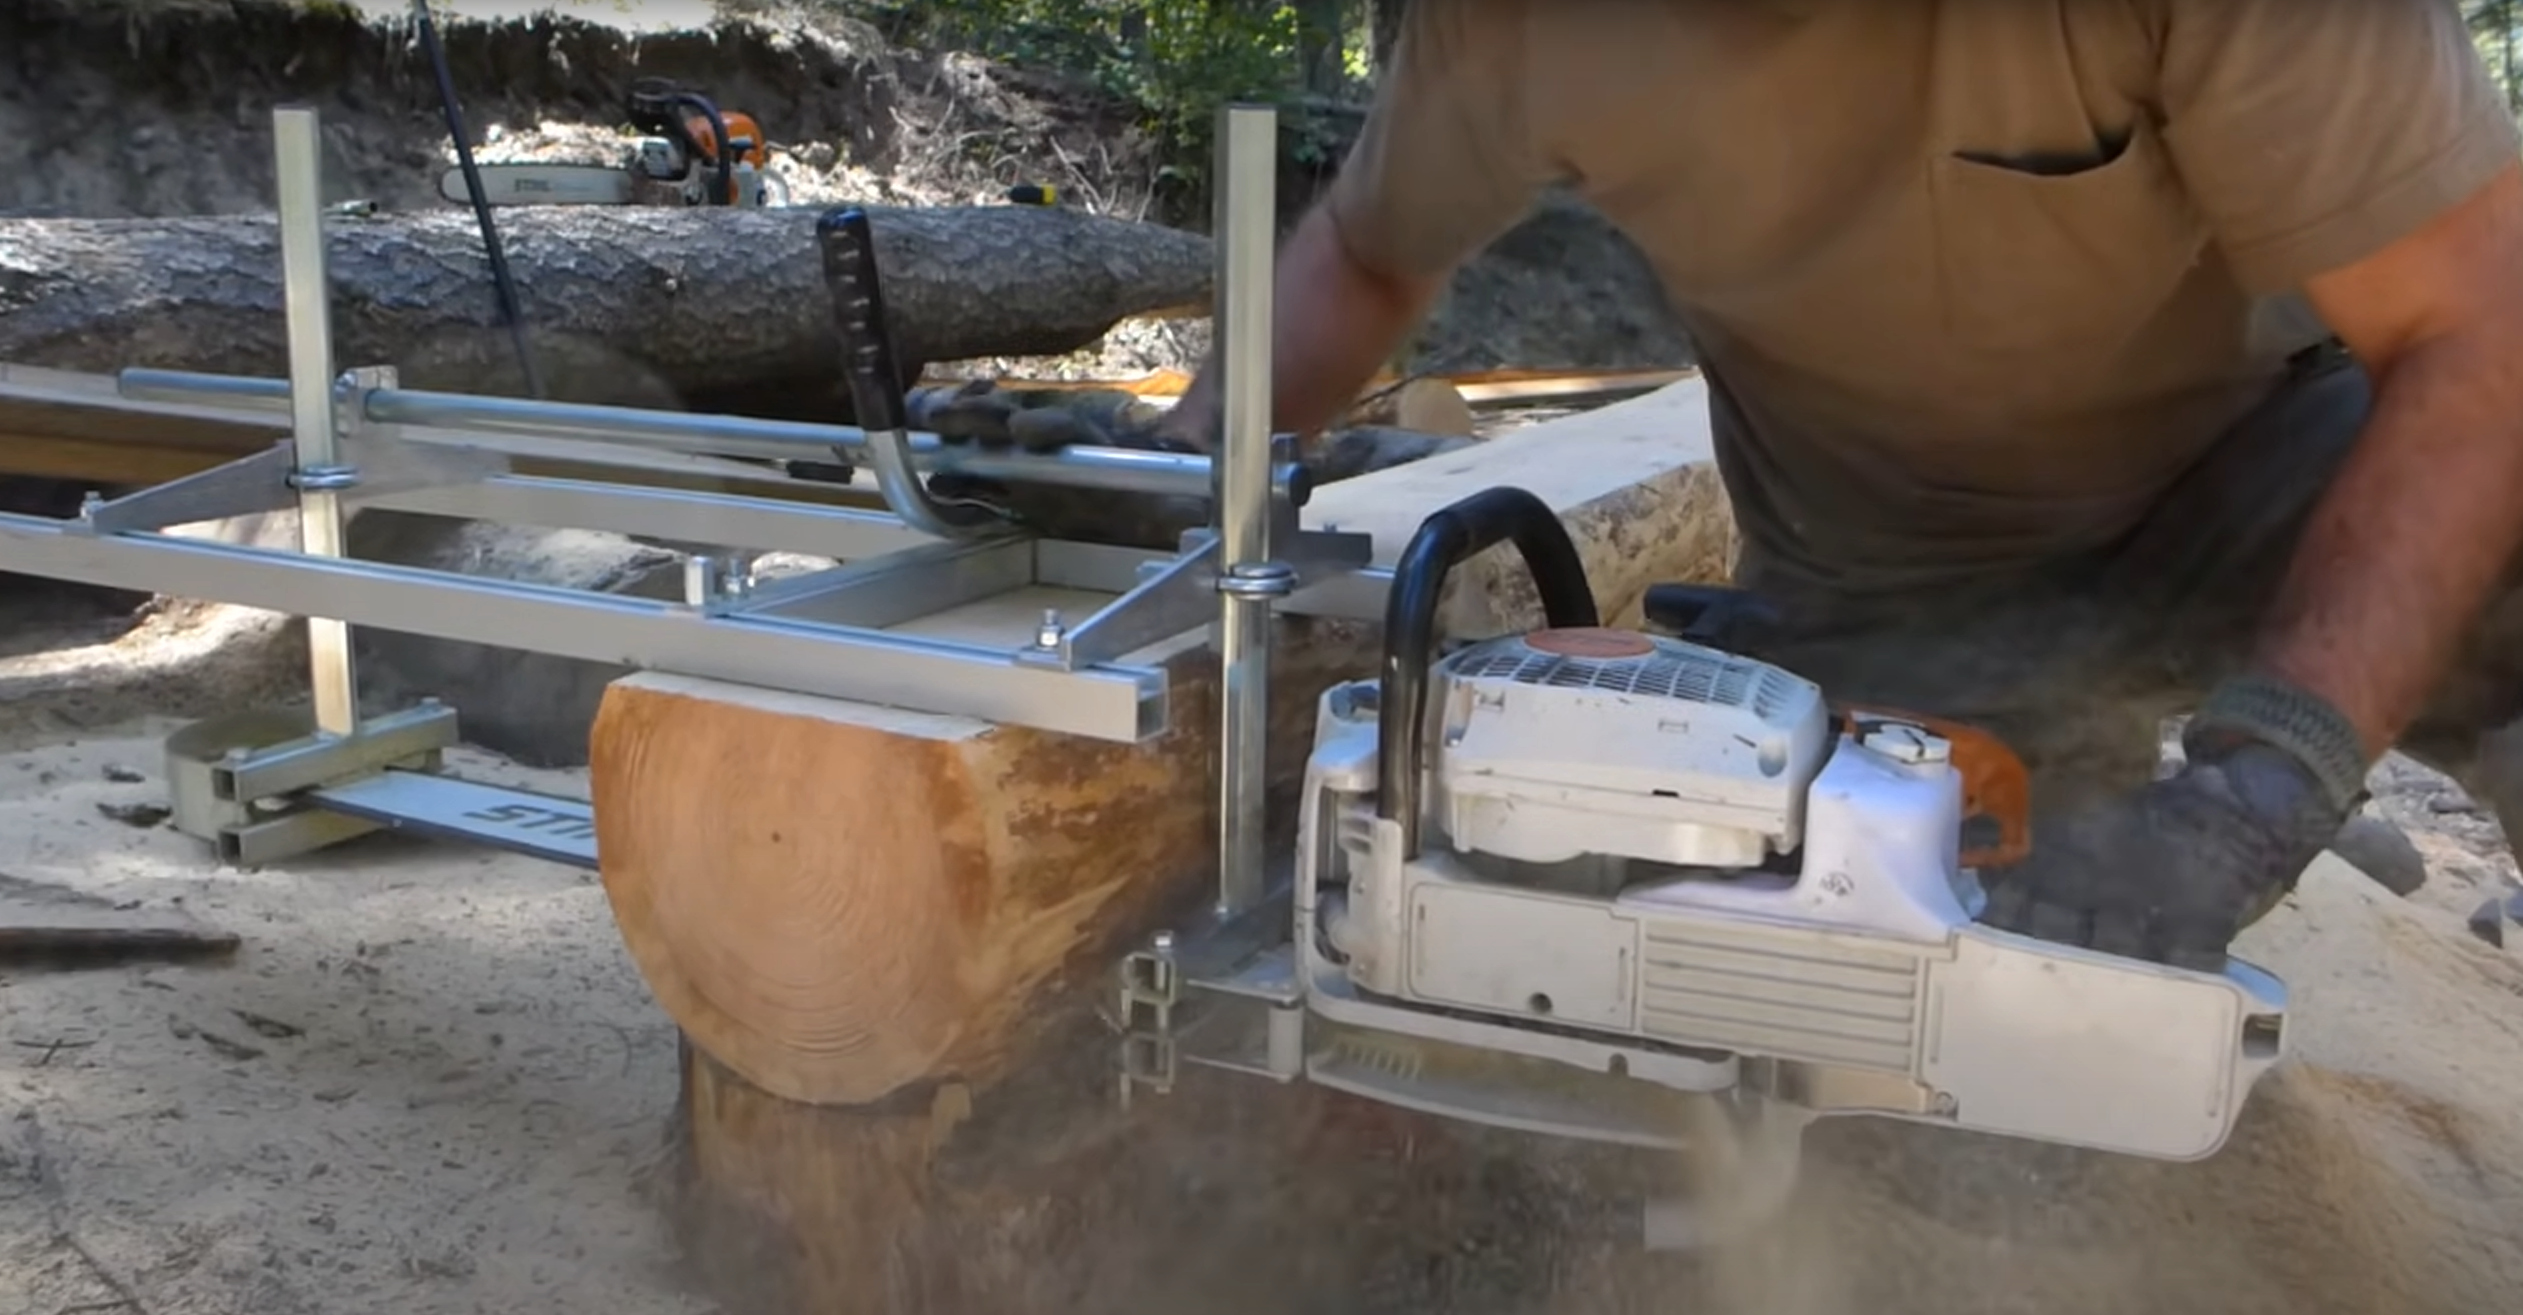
x=542 y=184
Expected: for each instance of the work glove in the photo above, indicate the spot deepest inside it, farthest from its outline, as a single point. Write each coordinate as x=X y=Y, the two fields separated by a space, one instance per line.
x=2174 y=871
x=1039 y=419
x=986 y=415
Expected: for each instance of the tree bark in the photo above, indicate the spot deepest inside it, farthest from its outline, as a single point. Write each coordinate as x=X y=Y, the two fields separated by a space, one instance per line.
x=620 y=301
x=1320 y=46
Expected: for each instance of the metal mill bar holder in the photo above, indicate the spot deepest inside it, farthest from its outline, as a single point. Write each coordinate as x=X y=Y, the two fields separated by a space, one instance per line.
x=1249 y=581
x=298 y=162
x=1119 y=470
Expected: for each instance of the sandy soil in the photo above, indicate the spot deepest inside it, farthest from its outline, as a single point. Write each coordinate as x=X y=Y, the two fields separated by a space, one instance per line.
x=431 y=1080
x=427 y=1083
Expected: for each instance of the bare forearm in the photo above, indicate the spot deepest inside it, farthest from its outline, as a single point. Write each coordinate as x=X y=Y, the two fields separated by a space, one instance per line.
x=2401 y=555
x=1333 y=323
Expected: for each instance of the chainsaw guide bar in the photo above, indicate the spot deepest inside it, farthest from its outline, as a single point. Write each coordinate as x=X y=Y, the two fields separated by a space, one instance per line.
x=542 y=184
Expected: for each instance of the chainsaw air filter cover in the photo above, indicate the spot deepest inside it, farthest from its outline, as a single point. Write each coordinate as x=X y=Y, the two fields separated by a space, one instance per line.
x=1565 y=743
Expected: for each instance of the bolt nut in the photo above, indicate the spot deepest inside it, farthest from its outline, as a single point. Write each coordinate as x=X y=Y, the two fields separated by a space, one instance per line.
x=1052 y=632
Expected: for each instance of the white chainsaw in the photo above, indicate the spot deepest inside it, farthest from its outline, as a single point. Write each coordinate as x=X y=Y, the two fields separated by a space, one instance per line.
x=694 y=154
x=1625 y=888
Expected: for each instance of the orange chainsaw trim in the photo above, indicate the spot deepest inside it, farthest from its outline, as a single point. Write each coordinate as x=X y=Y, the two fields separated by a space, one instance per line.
x=1995 y=784
x=740 y=126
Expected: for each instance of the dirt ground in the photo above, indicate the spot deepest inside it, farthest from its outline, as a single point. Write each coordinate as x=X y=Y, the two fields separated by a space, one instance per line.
x=431 y=1081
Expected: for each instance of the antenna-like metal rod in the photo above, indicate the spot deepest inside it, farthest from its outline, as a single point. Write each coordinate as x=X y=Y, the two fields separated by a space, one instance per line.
x=1246 y=227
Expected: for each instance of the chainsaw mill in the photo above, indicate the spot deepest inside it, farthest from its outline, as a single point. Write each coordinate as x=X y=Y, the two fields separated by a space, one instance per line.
x=1625 y=888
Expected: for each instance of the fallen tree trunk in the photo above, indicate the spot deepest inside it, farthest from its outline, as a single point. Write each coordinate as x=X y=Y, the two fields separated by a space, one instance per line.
x=871 y=925
x=710 y=304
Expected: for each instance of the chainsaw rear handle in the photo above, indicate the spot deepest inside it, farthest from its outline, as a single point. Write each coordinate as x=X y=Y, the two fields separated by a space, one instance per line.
x=653 y=108
x=1445 y=540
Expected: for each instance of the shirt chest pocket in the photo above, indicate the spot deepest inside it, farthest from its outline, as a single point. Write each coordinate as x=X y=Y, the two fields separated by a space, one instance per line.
x=2037 y=256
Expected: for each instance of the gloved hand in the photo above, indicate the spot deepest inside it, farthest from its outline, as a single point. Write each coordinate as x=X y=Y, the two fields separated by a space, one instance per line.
x=1045 y=420
x=2174 y=871
x=1039 y=419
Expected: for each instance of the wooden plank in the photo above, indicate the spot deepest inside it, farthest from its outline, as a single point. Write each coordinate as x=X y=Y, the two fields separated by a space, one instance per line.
x=1636 y=481
x=42 y=924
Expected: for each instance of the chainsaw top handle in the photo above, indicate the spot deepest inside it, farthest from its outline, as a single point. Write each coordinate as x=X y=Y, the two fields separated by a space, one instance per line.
x=1445 y=540
x=659 y=107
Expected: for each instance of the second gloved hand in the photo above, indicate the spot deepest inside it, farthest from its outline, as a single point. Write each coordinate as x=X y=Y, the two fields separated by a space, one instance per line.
x=1039 y=419
x=2174 y=871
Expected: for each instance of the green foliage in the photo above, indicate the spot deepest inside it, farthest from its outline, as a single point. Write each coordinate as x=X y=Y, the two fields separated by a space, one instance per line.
x=1177 y=61
x=2497 y=29
x=1199 y=55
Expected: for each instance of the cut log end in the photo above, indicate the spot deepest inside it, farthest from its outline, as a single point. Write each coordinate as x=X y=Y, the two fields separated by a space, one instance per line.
x=840 y=901
x=793 y=924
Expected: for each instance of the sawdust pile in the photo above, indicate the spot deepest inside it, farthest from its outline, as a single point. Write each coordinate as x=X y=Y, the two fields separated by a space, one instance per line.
x=2380 y=1171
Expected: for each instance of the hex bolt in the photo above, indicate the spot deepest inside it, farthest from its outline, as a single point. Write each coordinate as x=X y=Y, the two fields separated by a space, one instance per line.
x=1052 y=632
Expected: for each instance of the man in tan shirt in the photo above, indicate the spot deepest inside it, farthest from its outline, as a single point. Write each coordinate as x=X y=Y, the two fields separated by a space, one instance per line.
x=1987 y=295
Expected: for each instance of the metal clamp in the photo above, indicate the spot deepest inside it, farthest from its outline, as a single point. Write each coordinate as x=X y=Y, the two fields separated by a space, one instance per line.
x=332 y=478
x=1258 y=582
x=1151 y=985
x=717 y=584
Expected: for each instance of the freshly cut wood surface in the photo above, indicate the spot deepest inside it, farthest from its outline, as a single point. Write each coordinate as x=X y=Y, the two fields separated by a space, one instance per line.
x=1474 y=386
x=839 y=901
x=1636 y=484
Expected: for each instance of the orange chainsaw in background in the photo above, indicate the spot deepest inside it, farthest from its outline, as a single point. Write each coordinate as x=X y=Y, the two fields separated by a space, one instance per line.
x=692 y=153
